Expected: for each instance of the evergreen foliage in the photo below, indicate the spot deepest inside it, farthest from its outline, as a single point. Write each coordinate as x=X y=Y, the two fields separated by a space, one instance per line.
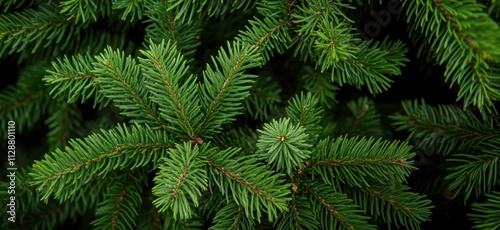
x=248 y=114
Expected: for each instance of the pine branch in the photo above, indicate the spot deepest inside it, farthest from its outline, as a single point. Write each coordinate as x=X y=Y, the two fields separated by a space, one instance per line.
x=303 y=110
x=174 y=92
x=225 y=87
x=267 y=35
x=283 y=145
x=485 y=215
x=482 y=79
x=320 y=85
x=494 y=9
x=31 y=214
x=152 y=219
x=25 y=102
x=300 y=215
x=243 y=137
x=264 y=99
x=312 y=15
x=222 y=8
x=29 y=29
x=46 y=217
x=353 y=62
x=181 y=180
x=164 y=25
x=62 y=173
x=463 y=37
x=445 y=129
x=74 y=78
x=85 y=10
x=248 y=182
x=130 y=9
x=393 y=203
x=184 y=10
x=270 y=33
x=313 y=12
x=361 y=118
x=335 y=210
x=64 y=122
x=211 y=205
x=120 y=80
x=372 y=65
x=54 y=214
x=119 y=206
x=85 y=44
x=232 y=217
x=8 y=5
x=333 y=43
x=354 y=160
x=477 y=171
